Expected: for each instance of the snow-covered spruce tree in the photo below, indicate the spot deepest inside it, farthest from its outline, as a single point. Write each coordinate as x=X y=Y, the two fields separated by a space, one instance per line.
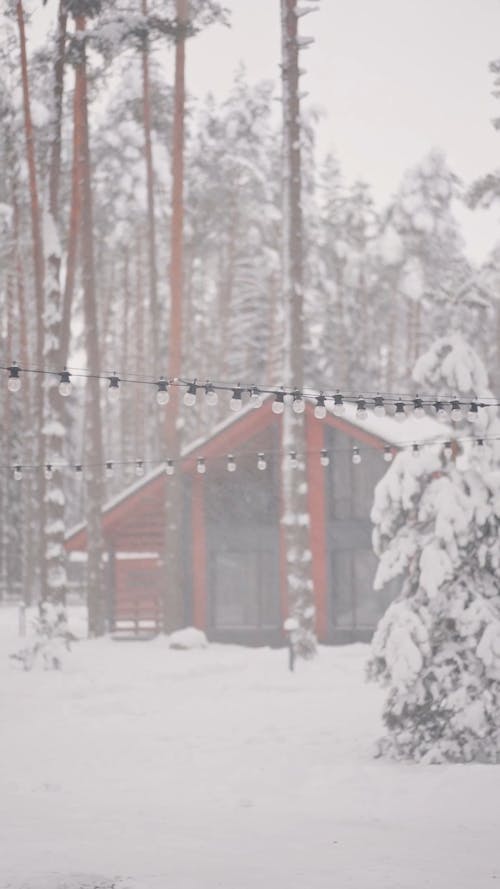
x=437 y=525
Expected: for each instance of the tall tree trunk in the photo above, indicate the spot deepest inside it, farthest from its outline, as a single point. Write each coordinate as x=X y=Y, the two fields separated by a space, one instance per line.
x=148 y=156
x=36 y=234
x=94 y=475
x=295 y=517
x=54 y=571
x=173 y=604
x=74 y=222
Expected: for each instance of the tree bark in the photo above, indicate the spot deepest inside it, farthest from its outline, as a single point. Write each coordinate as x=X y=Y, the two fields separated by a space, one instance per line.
x=74 y=222
x=148 y=156
x=295 y=518
x=36 y=553
x=173 y=603
x=94 y=486
x=54 y=565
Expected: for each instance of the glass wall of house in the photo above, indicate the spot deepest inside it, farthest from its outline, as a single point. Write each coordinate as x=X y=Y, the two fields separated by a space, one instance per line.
x=242 y=532
x=354 y=608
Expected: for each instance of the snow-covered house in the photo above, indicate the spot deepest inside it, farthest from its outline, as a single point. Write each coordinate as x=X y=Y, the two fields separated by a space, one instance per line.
x=233 y=560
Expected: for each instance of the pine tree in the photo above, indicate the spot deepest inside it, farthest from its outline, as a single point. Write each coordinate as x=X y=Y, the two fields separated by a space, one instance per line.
x=437 y=525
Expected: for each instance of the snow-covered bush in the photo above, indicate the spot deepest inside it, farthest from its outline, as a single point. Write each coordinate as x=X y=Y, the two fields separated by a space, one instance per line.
x=187 y=638
x=52 y=638
x=437 y=648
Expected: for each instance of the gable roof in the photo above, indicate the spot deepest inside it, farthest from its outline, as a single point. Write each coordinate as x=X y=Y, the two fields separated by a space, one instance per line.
x=237 y=426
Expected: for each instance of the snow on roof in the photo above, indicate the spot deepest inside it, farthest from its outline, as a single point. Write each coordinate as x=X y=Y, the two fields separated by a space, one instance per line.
x=413 y=430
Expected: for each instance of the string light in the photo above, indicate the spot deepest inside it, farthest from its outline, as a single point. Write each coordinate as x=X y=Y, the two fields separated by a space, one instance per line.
x=261 y=462
x=448 y=450
x=361 y=411
x=14 y=380
x=139 y=468
x=293 y=460
x=201 y=466
x=236 y=402
x=48 y=472
x=256 y=398
x=190 y=395
x=231 y=463
x=418 y=408
x=320 y=408
x=480 y=443
x=356 y=456
x=283 y=395
x=109 y=470
x=338 y=405
x=279 y=403
x=415 y=449
x=170 y=467
x=456 y=411
x=162 y=394
x=298 y=403
x=211 y=395
x=400 y=413
x=388 y=455
x=79 y=469
x=114 y=388
x=324 y=458
x=440 y=409
x=65 y=386
x=473 y=412
x=18 y=473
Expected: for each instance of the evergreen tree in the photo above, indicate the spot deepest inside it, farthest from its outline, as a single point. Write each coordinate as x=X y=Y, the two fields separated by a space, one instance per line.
x=437 y=525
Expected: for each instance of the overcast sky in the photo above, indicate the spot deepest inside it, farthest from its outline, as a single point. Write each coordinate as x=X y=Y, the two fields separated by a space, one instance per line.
x=393 y=77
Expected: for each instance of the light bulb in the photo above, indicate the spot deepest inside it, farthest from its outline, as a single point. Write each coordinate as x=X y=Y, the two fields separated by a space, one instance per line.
x=139 y=468
x=201 y=466
x=114 y=388
x=278 y=403
x=356 y=456
x=190 y=395
x=65 y=384
x=473 y=412
x=388 y=453
x=231 y=463
x=456 y=411
x=236 y=403
x=480 y=443
x=440 y=409
x=293 y=460
x=162 y=394
x=298 y=403
x=361 y=412
x=338 y=405
x=256 y=398
x=261 y=462
x=379 y=409
x=448 y=450
x=48 y=472
x=418 y=408
x=18 y=473
x=415 y=449
x=109 y=470
x=211 y=395
x=400 y=413
x=324 y=459
x=170 y=468
x=320 y=409
x=79 y=469
x=14 y=380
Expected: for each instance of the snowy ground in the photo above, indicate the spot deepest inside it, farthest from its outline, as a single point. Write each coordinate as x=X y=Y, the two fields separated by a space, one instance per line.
x=143 y=768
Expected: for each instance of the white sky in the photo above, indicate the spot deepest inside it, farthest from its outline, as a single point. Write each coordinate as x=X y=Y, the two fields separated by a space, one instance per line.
x=393 y=77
